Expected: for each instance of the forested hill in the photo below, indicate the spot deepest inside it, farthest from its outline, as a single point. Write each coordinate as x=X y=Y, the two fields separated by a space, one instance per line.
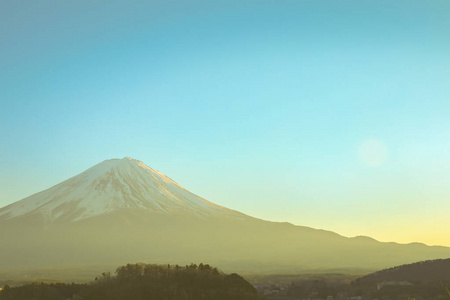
x=144 y=281
x=424 y=271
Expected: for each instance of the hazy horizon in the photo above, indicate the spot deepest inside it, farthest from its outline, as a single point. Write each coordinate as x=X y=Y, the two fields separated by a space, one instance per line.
x=332 y=115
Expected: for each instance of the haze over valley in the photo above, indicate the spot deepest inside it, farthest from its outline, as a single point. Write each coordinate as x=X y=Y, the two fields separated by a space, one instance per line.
x=122 y=210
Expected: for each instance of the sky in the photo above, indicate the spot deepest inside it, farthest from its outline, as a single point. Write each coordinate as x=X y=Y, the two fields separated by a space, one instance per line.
x=328 y=114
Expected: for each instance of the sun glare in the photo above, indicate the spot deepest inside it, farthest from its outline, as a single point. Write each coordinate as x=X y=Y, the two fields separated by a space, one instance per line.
x=373 y=153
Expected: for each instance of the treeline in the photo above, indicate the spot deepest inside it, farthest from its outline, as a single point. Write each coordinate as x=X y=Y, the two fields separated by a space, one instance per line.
x=322 y=288
x=142 y=282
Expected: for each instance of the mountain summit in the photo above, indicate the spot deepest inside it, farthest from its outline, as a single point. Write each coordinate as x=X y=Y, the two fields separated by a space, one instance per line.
x=110 y=186
x=122 y=211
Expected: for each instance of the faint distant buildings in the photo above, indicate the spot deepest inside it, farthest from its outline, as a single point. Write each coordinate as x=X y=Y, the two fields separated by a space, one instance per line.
x=393 y=283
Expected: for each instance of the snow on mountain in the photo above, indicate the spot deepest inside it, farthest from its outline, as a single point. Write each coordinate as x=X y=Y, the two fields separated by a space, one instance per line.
x=109 y=186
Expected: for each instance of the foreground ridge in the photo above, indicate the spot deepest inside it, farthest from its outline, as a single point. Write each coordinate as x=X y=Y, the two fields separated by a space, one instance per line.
x=145 y=281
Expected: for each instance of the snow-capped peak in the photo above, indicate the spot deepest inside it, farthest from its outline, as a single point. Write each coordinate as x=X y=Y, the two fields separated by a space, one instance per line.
x=109 y=186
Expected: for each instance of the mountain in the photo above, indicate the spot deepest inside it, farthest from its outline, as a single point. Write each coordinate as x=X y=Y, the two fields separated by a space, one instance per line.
x=122 y=211
x=111 y=186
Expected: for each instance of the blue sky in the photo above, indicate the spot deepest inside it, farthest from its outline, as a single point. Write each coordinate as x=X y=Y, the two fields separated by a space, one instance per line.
x=260 y=106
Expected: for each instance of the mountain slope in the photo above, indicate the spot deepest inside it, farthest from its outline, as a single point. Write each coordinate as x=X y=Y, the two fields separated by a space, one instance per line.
x=122 y=211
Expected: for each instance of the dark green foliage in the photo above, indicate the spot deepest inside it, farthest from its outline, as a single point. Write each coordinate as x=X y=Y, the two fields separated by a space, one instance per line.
x=141 y=281
x=426 y=279
x=420 y=272
x=145 y=281
x=41 y=291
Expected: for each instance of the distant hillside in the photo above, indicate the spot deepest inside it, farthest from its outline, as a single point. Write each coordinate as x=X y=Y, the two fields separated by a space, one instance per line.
x=425 y=271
